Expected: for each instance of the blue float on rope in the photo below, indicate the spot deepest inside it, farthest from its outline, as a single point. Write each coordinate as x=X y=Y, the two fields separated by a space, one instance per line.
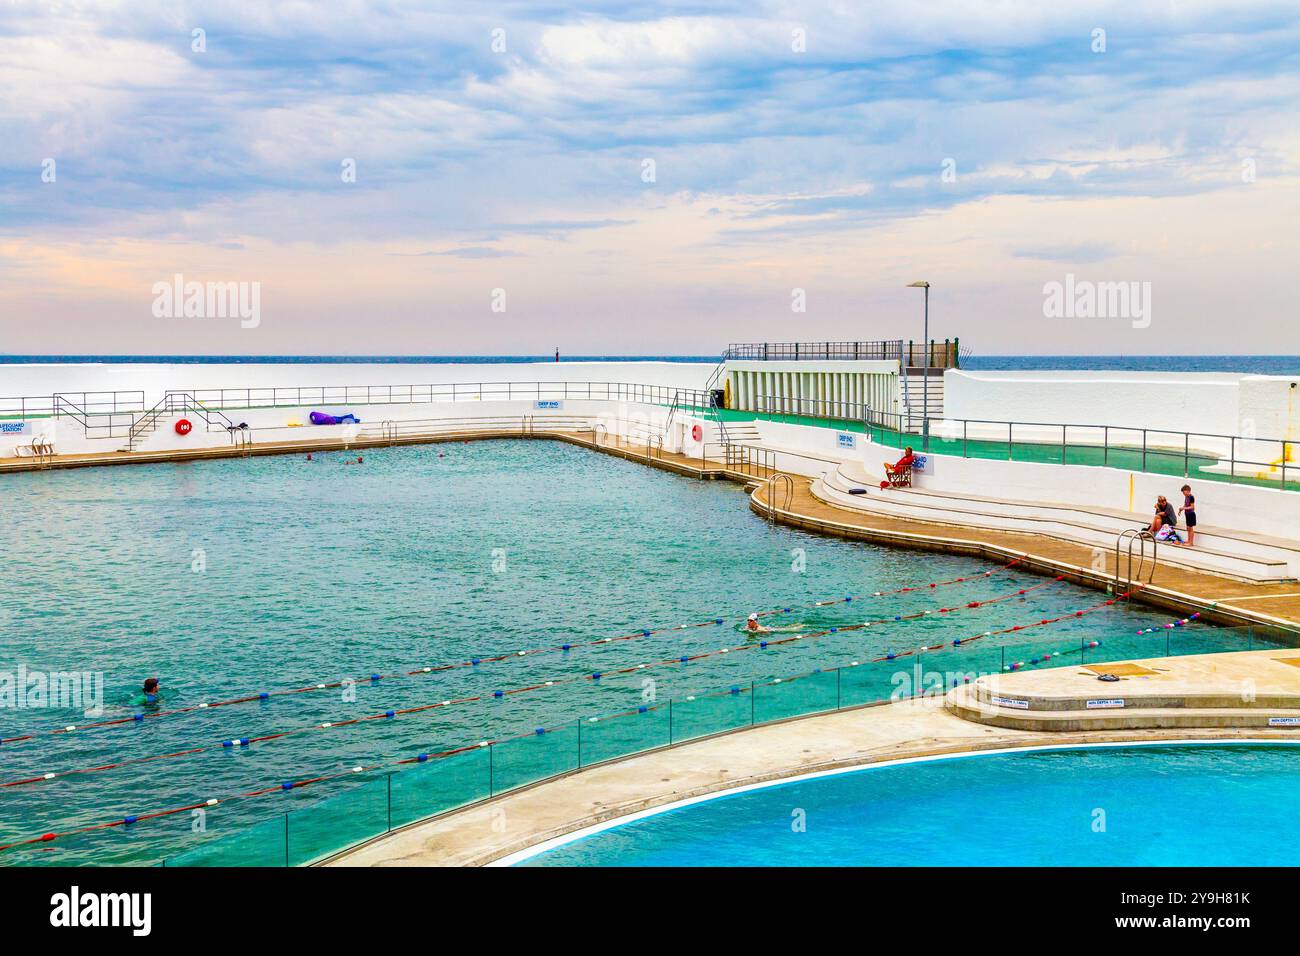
x=287 y=785
x=421 y=758
x=539 y=731
x=642 y=709
x=391 y=713
x=685 y=660
x=474 y=660
x=717 y=620
x=130 y=820
x=137 y=716
x=564 y=647
x=835 y=630
x=596 y=676
x=264 y=695
x=374 y=677
x=889 y=656
x=645 y=633
x=498 y=693
x=956 y=642
x=785 y=610
x=735 y=690
x=898 y=617
x=848 y=597
x=762 y=643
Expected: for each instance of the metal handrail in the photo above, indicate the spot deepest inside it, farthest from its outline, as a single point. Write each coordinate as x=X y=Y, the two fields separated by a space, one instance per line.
x=788 y=484
x=88 y=403
x=301 y=396
x=1140 y=538
x=885 y=349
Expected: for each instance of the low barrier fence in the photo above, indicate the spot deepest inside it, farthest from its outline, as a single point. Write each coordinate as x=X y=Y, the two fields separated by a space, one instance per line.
x=1269 y=462
x=472 y=774
x=93 y=403
x=295 y=396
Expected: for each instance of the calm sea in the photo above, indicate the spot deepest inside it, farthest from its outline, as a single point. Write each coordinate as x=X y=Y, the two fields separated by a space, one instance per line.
x=1257 y=364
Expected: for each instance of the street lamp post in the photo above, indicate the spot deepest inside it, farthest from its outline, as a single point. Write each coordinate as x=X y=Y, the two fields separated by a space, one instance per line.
x=925 y=370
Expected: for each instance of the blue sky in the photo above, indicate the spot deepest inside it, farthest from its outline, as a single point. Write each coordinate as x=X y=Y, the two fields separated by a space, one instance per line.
x=794 y=146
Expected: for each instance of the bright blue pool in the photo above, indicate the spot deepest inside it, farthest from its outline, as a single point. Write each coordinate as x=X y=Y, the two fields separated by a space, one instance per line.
x=1169 y=805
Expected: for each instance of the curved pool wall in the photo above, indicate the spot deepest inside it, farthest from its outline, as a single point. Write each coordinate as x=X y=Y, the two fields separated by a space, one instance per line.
x=1165 y=804
x=233 y=577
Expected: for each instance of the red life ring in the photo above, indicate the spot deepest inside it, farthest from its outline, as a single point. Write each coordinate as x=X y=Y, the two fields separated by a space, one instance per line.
x=184 y=426
x=697 y=432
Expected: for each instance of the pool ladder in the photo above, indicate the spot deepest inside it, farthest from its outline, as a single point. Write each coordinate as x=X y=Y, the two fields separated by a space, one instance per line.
x=787 y=485
x=1128 y=539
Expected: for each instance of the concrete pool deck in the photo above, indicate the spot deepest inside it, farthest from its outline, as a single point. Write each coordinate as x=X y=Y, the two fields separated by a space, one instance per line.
x=1246 y=689
x=919 y=727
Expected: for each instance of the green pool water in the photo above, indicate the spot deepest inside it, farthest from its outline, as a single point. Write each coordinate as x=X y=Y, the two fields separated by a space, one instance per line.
x=227 y=578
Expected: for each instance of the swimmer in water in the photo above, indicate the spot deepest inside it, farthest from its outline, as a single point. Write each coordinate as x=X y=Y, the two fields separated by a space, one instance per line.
x=149 y=694
x=754 y=627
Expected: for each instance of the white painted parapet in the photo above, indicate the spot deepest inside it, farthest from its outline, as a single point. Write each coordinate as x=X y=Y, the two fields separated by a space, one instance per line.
x=1206 y=403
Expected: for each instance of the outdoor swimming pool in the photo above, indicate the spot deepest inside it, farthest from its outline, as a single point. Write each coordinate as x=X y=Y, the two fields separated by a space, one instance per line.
x=233 y=578
x=1184 y=805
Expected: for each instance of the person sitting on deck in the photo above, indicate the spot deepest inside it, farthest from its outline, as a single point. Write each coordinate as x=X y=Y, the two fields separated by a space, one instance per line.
x=899 y=472
x=1165 y=523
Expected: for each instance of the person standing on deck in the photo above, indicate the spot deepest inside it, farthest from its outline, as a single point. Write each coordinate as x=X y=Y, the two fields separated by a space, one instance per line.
x=1188 y=511
x=557 y=353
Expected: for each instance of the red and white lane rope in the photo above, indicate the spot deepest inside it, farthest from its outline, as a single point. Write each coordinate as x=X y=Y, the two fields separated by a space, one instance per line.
x=235 y=743
x=290 y=785
x=374 y=678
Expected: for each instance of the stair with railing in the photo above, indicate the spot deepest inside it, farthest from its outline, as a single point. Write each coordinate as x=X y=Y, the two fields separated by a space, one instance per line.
x=171 y=404
x=922 y=398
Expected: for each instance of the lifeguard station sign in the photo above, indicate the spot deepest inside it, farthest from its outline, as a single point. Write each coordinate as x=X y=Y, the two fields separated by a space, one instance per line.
x=15 y=428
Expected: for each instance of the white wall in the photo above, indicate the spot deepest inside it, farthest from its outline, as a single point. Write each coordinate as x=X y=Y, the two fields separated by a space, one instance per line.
x=276 y=424
x=1205 y=402
x=1270 y=406
x=1263 y=511
x=155 y=379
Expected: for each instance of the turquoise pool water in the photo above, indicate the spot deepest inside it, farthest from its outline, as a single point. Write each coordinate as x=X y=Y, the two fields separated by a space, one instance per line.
x=1193 y=805
x=312 y=572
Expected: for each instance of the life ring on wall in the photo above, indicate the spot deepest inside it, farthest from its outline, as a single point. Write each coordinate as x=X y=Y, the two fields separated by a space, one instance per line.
x=696 y=432
x=184 y=426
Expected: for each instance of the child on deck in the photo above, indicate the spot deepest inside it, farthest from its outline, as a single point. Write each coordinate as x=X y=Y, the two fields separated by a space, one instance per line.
x=1188 y=511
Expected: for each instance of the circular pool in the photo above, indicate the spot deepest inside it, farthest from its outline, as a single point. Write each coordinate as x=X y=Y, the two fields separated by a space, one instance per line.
x=1124 y=805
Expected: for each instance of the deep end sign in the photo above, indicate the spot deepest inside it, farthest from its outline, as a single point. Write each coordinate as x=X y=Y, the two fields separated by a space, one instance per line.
x=846 y=440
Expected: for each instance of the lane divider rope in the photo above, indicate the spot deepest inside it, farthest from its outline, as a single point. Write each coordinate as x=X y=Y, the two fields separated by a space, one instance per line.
x=374 y=678
x=290 y=785
x=238 y=743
